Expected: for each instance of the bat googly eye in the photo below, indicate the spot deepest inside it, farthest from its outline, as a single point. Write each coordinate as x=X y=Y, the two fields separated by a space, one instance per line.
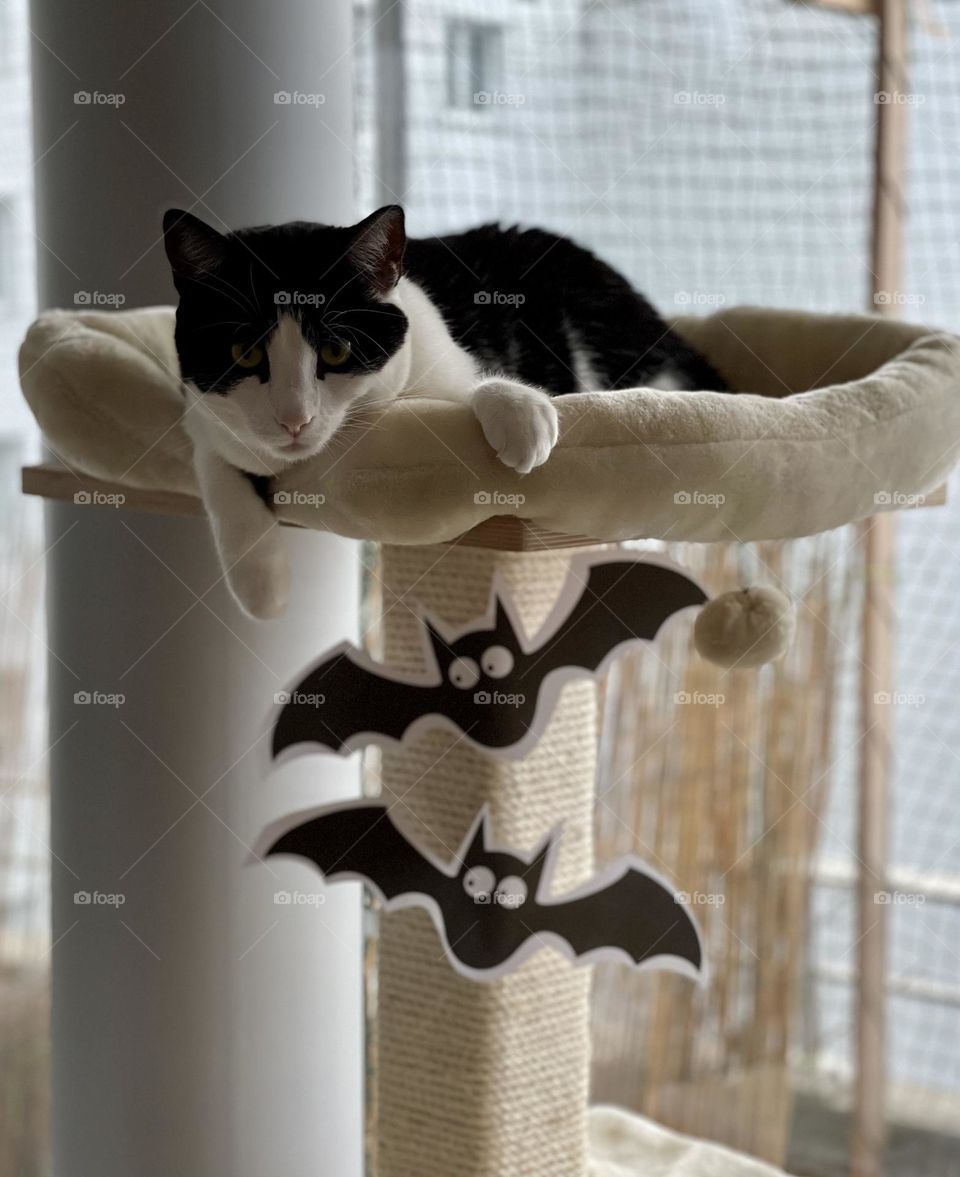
x=511 y=891
x=464 y=673
x=497 y=661
x=478 y=883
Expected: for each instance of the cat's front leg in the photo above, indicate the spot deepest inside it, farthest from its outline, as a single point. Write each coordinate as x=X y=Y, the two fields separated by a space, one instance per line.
x=246 y=534
x=519 y=421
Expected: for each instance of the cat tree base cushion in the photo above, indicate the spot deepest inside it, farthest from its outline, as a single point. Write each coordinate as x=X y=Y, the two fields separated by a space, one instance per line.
x=839 y=417
x=626 y=1145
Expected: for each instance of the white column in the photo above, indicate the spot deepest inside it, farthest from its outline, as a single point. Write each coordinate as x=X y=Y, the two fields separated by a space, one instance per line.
x=199 y=1028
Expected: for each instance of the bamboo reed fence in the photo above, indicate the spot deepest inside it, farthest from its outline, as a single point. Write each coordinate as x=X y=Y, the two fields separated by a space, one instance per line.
x=719 y=779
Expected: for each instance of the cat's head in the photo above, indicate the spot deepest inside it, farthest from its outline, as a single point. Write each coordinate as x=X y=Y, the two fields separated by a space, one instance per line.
x=284 y=330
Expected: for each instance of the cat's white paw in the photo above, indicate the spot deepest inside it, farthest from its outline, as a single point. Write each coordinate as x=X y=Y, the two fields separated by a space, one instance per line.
x=260 y=579
x=518 y=421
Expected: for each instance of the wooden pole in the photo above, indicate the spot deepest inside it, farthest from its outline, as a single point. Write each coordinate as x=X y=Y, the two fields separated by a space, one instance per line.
x=878 y=676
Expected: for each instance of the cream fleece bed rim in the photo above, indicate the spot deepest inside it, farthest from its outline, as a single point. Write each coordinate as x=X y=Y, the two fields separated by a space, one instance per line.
x=623 y=1144
x=846 y=416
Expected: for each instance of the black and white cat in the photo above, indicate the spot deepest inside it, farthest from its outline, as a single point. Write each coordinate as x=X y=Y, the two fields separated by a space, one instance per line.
x=288 y=335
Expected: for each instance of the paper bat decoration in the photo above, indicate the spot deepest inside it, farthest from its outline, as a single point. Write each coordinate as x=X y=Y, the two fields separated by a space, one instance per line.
x=487 y=682
x=493 y=908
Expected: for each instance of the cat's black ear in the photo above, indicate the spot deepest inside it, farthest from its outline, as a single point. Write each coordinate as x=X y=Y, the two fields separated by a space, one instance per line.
x=194 y=249
x=378 y=245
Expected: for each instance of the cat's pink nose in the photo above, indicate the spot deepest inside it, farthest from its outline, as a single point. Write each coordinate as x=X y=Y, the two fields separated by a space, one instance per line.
x=294 y=425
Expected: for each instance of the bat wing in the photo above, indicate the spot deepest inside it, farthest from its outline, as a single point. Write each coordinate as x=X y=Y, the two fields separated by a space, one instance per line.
x=634 y=915
x=361 y=841
x=622 y=601
x=347 y=697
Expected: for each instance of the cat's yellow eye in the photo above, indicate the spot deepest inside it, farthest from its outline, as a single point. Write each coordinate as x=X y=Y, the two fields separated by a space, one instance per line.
x=334 y=354
x=247 y=357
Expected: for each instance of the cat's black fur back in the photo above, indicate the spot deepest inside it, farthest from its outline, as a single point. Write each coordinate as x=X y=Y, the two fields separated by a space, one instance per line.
x=522 y=300
x=525 y=303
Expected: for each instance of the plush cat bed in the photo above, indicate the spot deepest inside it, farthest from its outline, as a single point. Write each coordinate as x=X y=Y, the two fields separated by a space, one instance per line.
x=105 y=391
x=626 y=1145
x=841 y=416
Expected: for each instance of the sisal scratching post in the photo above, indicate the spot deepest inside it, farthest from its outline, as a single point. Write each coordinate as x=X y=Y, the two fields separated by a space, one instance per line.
x=489 y=1079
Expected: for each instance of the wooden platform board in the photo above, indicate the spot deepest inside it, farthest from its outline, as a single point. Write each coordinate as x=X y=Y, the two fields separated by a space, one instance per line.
x=52 y=482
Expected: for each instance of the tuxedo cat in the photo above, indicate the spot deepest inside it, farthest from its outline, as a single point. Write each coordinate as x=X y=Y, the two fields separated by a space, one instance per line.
x=288 y=335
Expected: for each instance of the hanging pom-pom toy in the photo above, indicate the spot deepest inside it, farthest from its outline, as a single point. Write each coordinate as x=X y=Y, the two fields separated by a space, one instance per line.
x=746 y=627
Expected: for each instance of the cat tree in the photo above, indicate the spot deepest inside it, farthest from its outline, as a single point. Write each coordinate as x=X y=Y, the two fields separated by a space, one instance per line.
x=843 y=416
